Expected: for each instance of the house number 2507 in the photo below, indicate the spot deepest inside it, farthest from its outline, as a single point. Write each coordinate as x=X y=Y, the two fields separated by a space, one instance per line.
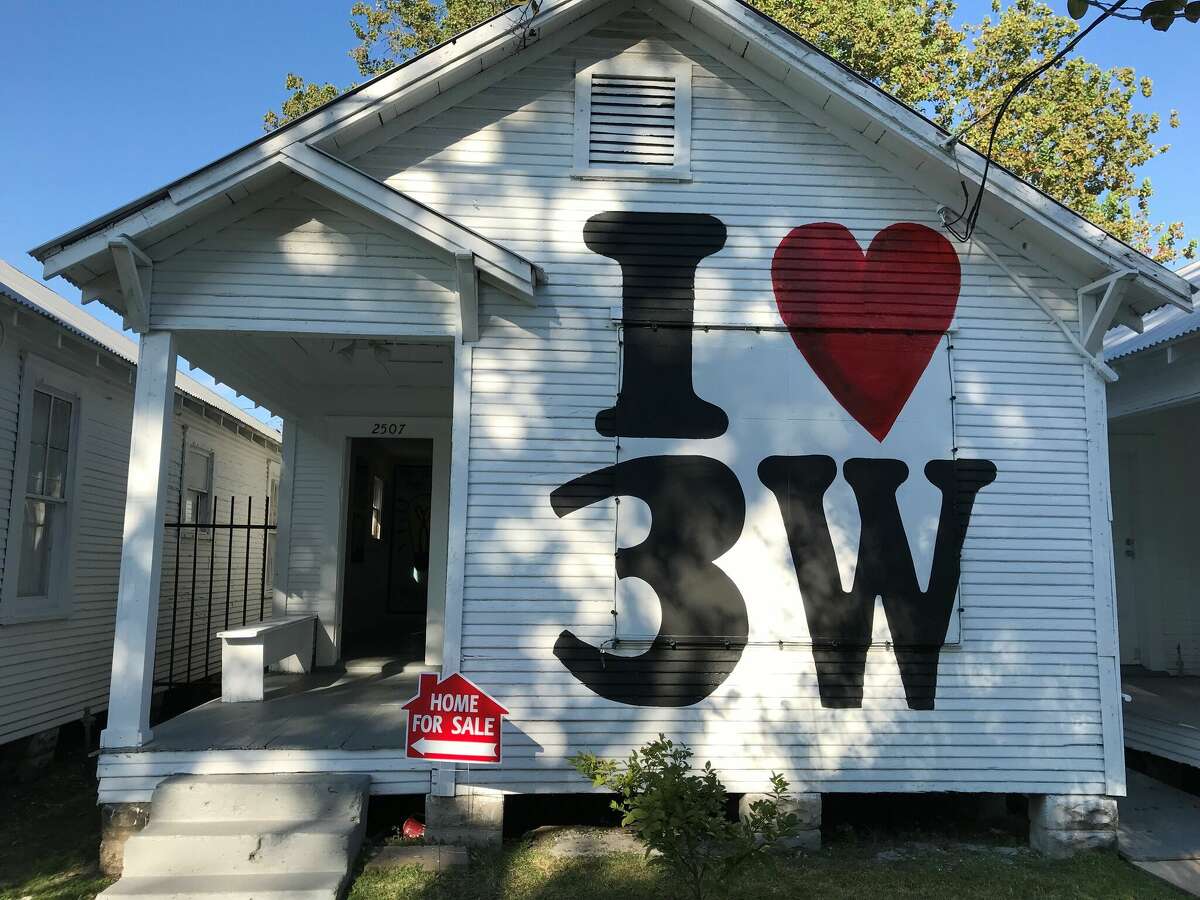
x=392 y=428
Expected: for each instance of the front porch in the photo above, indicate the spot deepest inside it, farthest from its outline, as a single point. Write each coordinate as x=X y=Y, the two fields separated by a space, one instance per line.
x=327 y=710
x=328 y=721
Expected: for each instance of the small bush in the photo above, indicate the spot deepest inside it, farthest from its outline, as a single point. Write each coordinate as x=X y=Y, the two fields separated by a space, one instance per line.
x=680 y=814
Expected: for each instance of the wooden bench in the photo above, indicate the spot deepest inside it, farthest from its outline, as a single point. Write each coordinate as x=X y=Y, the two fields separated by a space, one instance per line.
x=245 y=652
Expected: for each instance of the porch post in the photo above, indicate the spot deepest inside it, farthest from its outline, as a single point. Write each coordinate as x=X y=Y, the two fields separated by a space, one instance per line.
x=141 y=551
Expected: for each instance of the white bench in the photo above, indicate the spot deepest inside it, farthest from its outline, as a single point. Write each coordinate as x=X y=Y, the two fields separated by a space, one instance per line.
x=245 y=652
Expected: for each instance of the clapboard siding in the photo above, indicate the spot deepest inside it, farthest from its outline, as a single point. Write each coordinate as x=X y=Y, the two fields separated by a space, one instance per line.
x=300 y=266
x=1019 y=698
x=52 y=671
x=315 y=516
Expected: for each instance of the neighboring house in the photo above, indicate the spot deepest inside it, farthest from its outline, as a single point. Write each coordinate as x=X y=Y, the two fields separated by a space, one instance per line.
x=1154 y=438
x=670 y=253
x=66 y=400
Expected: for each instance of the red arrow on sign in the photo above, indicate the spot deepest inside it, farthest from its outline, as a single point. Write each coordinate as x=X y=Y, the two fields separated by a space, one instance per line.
x=453 y=720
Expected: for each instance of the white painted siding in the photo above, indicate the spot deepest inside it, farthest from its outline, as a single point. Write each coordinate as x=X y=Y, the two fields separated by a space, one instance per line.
x=302 y=267
x=1019 y=703
x=50 y=671
x=315 y=532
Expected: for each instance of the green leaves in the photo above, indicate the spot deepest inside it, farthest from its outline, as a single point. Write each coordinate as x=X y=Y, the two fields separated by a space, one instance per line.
x=1191 y=12
x=1077 y=9
x=1161 y=13
x=680 y=813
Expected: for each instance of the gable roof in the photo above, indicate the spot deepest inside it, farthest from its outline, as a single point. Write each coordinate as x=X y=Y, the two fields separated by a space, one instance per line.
x=795 y=71
x=34 y=295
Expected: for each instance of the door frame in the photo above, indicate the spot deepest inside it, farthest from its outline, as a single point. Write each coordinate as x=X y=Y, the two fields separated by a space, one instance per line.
x=399 y=427
x=1132 y=498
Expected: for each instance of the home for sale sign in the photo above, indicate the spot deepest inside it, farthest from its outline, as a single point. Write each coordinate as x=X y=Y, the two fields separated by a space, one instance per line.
x=454 y=721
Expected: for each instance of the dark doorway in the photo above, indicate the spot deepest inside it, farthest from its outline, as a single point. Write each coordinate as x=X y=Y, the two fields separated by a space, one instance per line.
x=386 y=583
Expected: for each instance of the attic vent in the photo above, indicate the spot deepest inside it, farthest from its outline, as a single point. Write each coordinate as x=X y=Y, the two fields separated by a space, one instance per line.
x=633 y=121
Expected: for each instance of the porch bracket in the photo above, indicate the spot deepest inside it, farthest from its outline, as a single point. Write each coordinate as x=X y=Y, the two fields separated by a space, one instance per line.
x=1093 y=359
x=495 y=263
x=468 y=296
x=1100 y=306
x=134 y=271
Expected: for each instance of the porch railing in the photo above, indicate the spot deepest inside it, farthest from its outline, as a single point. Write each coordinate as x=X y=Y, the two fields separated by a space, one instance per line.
x=216 y=576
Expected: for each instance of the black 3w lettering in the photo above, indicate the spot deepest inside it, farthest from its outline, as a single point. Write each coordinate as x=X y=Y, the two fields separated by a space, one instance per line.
x=840 y=621
x=698 y=510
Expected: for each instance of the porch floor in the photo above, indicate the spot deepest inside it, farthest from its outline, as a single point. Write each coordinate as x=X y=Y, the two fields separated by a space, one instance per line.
x=1163 y=715
x=327 y=710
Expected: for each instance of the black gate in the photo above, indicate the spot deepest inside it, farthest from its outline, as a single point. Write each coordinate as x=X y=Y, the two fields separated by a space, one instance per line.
x=218 y=577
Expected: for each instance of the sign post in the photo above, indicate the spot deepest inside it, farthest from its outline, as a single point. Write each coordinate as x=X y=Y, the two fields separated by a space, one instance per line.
x=454 y=721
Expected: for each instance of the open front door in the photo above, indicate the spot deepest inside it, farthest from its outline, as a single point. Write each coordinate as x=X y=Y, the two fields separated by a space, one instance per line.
x=386 y=584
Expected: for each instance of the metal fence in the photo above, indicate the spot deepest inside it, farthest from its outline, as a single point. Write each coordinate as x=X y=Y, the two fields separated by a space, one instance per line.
x=216 y=576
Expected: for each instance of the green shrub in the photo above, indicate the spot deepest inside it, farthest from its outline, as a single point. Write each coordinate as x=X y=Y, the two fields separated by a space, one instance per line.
x=680 y=814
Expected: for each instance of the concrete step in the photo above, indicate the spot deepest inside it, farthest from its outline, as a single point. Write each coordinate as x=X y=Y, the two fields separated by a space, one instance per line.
x=247 y=837
x=242 y=848
x=216 y=798
x=297 y=886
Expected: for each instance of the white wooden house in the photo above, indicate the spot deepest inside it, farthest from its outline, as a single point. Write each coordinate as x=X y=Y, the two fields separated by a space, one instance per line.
x=1154 y=433
x=660 y=250
x=66 y=408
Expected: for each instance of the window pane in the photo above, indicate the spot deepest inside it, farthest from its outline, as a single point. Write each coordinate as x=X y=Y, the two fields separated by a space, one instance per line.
x=34 y=579
x=196 y=508
x=60 y=425
x=38 y=429
x=56 y=474
x=198 y=476
x=41 y=417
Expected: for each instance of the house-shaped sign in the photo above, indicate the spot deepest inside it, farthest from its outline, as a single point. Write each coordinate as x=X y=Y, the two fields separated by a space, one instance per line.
x=453 y=720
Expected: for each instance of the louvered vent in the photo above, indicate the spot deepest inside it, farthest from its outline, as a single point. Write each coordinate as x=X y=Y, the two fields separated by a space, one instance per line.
x=632 y=121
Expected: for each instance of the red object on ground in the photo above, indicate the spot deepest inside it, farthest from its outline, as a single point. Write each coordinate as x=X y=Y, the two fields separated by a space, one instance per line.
x=453 y=720
x=412 y=830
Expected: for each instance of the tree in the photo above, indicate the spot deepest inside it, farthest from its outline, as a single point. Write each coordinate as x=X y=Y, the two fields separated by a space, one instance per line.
x=1074 y=133
x=1161 y=14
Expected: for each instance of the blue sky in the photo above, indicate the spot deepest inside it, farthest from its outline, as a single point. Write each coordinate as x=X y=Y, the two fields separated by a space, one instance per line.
x=103 y=102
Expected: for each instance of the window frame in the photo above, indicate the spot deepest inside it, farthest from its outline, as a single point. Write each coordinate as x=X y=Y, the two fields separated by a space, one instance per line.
x=681 y=171
x=39 y=374
x=190 y=448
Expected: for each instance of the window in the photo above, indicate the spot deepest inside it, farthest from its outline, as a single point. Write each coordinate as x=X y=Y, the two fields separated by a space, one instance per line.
x=38 y=554
x=377 y=508
x=46 y=491
x=197 y=487
x=633 y=120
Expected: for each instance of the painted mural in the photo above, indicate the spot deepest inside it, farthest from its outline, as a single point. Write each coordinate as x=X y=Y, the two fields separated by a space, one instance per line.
x=784 y=483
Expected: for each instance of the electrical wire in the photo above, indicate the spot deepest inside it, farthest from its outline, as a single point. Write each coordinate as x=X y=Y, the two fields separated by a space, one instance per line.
x=969 y=215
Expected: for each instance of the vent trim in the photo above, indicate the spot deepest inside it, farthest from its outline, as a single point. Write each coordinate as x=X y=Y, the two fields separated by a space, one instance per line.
x=633 y=121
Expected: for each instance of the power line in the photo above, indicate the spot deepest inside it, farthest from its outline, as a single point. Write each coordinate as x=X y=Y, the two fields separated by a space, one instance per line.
x=969 y=215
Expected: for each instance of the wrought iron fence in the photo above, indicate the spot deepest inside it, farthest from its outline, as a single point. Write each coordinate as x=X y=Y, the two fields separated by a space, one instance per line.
x=216 y=576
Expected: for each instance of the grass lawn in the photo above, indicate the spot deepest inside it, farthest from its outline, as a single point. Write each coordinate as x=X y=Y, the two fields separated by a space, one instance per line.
x=50 y=834
x=849 y=869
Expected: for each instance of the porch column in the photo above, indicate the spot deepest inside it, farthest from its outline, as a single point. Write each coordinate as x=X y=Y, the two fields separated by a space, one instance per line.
x=141 y=551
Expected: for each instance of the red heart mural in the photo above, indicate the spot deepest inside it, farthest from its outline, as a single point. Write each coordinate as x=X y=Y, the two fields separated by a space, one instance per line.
x=867 y=323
